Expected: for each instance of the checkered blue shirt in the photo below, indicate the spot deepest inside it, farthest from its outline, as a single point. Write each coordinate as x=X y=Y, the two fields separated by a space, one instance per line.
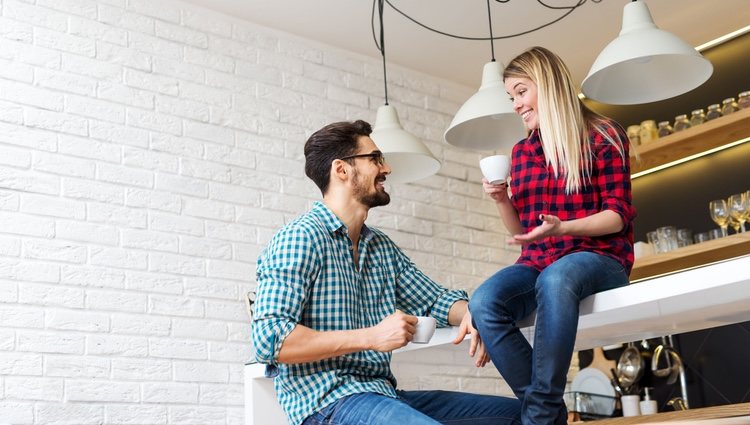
x=306 y=275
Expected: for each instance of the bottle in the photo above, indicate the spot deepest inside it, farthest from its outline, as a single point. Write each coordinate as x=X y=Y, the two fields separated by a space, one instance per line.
x=664 y=129
x=681 y=123
x=697 y=117
x=714 y=111
x=648 y=131
x=648 y=406
x=728 y=106
x=634 y=134
x=743 y=100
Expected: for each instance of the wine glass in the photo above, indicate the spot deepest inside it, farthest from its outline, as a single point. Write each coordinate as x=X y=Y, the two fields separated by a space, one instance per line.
x=738 y=210
x=734 y=224
x=720 y=214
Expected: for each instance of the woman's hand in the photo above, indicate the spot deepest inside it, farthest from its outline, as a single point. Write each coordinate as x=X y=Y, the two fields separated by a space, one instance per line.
x=498 y=192
x=551 y=226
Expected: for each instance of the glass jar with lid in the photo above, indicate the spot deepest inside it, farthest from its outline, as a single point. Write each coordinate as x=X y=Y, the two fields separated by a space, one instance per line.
x=634 y=134
x=648 y=131
x=664 y=129
x=743 y=100
x=714 y=111
x=681 y=122
x=728 y=106
x=697 y=117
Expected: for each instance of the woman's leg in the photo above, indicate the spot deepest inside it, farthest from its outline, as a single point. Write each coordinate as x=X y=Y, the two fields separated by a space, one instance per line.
x=506 y=297
x=559 y=291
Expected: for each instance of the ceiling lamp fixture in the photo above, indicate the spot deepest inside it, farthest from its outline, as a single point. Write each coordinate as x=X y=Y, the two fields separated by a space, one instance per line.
x=487 y=120
x=644 y=63
x=407 y=156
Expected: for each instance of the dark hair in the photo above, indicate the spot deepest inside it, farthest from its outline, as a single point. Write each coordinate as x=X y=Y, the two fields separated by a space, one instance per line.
x=331 y=142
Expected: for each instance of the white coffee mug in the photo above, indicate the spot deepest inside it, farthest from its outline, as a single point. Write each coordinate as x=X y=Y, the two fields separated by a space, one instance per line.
x=495 y=168
x=425 y=329
x=630 y=405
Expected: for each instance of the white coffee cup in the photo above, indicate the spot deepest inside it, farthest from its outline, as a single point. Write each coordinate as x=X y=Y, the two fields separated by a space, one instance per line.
x=495 y=168
x=630 y=405
x=425 y=329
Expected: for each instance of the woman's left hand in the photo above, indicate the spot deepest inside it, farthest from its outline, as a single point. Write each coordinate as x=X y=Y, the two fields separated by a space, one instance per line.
x=551 y=226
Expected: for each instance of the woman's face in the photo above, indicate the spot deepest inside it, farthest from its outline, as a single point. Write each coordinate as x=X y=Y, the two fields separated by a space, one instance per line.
x=523 y=94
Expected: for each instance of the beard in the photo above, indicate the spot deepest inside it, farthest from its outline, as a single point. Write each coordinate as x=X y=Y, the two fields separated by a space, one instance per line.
x=363 y=192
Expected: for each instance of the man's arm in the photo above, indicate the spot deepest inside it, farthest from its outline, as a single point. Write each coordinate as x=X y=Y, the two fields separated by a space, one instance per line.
x=457 y=312
x=304 y=345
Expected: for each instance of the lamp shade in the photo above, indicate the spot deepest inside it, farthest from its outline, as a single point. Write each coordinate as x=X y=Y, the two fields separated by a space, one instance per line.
x=644 y=64
x=407 y=156
x=487 y=120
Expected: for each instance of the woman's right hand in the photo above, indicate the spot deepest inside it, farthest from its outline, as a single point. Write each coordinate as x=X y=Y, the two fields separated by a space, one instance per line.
x=498 y=192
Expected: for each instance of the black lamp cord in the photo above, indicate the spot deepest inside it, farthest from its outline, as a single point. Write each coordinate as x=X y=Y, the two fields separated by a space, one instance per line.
x=492 y=40
x=569 y=9
x=382 y=48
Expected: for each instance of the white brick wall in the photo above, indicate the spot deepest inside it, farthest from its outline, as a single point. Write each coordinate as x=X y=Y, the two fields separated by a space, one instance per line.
x=148 y=151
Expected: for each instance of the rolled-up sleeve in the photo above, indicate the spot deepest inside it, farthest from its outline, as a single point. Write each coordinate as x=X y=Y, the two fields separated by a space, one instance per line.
x=285 y=271
x=614 y=180
x=419 y=295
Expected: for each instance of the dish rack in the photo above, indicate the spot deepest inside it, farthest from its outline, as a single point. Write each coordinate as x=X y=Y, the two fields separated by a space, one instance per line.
x=590 y=406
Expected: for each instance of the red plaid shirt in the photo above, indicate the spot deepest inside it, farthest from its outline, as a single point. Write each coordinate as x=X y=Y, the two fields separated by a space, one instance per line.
x=536 y=191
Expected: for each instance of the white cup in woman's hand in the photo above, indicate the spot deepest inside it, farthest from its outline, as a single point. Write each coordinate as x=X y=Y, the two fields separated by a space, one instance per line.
x=495 y=168
x=425 y=329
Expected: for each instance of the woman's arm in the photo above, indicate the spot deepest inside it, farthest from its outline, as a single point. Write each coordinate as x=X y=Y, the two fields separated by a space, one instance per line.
x=508 y=213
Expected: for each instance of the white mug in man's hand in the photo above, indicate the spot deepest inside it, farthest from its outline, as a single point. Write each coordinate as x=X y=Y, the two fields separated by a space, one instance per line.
x=425 y=329
x=495 y=168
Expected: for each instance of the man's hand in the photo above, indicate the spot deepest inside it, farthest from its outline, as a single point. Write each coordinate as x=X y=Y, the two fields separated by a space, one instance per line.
x=476 y=347
x=393 y=332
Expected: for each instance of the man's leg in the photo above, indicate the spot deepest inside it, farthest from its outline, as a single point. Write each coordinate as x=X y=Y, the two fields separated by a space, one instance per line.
x=369 y=409
x=449 y=407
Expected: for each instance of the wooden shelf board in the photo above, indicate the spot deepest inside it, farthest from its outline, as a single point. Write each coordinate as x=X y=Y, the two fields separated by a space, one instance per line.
x=715 y=412
x=694 y=140
x=691 y=256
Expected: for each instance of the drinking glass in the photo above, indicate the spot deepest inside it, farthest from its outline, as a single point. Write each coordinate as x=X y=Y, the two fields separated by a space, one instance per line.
x=684 y=237
x=667 y=238
x=719 y=214
x=738 y=209
x=734 y=224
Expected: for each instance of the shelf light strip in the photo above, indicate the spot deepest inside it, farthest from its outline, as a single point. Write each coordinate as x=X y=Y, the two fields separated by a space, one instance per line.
x=722 y=39
x=689 y=158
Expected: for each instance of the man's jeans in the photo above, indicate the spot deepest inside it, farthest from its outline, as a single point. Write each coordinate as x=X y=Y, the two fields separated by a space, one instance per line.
x=419 y=408
x=538 y=376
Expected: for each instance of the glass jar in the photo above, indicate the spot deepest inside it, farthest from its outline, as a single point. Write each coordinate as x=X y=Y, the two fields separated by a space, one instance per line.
x=714 y=111
x=664 y=129
x=648 y=131
x=681 y=123
x=743 y=100
x=634 y=134
x=728 y=106
x=697 y=117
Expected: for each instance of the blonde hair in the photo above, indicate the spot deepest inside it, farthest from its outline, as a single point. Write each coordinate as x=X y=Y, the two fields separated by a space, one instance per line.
x=564 y=121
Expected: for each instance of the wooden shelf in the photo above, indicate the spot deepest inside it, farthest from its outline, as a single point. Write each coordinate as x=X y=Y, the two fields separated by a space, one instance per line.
x=691 y=256
x=694 y=140
x=738 y=412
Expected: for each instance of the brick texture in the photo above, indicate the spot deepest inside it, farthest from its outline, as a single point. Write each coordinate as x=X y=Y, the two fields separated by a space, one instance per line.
x=148 y=151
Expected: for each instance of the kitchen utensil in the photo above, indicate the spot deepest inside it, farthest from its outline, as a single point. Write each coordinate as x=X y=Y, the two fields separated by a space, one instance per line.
x=593 y=381
x=599 y=361
x=630 y=366
x=672 y=363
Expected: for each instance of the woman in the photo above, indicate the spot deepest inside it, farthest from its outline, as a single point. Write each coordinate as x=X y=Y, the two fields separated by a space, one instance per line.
x=571 y=211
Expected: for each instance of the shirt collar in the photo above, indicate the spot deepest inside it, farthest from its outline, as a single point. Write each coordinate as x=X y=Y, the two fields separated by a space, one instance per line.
x=334 y=224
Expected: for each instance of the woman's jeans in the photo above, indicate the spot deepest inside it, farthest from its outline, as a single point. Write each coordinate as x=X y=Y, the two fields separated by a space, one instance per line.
x=538 y=376
x=419 y=408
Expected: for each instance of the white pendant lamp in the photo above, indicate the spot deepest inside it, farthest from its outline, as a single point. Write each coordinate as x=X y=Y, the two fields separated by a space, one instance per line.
x=407 y=156
x=487 y=120
x=644 y=63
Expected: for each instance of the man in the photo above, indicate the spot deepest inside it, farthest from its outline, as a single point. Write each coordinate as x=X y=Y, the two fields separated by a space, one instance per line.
x=335 y=297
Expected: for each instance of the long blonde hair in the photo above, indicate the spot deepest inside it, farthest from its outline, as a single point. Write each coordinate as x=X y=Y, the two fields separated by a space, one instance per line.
x=564 y=121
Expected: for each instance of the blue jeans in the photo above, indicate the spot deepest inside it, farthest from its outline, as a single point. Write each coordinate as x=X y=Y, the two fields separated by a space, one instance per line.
x=538 y=376
x=419 y=408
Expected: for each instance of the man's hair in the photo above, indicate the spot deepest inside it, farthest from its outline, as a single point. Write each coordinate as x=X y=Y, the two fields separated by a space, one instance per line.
x=331 y=142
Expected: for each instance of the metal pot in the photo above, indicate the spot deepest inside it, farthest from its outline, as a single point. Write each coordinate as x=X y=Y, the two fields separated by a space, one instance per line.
x=630 y=366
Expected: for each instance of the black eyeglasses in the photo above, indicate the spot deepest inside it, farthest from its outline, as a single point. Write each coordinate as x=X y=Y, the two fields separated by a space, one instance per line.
x=376 y=157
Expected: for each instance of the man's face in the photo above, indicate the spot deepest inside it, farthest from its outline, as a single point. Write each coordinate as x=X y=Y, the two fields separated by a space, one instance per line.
x=369 y=174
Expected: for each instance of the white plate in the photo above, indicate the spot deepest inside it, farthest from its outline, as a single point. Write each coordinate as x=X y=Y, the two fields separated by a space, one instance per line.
x=594 y=381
